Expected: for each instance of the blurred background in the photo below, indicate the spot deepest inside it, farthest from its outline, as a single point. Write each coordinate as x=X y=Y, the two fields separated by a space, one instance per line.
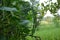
x=29 y=19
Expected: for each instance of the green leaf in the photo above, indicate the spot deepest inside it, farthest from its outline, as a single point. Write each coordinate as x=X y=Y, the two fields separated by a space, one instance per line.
x=8 y=9
x=24 y=22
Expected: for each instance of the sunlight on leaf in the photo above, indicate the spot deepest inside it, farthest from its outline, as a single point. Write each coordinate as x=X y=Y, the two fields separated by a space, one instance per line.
x=8 y=9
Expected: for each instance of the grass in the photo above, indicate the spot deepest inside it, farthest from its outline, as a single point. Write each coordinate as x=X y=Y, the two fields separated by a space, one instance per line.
x=48 y=32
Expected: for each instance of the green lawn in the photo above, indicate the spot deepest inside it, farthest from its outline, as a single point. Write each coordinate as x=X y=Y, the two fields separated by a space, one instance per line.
x=47 y=32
